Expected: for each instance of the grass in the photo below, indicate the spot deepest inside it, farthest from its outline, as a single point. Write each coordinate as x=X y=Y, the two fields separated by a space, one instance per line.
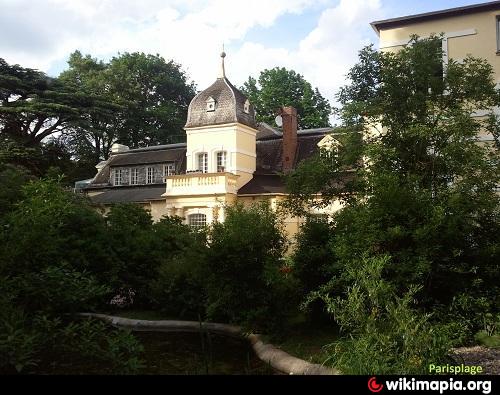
x=484 y=339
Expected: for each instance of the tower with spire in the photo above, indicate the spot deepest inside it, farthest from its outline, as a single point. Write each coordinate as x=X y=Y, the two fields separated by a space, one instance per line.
x=221 y=130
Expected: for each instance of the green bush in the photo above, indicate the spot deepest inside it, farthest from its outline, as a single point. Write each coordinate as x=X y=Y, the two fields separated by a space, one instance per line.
x=243 y=264
x=314 y=262
x=131 y=243
x=12 y=179
x=20 y=344
x=100 y=349
x=180 y=286
x=50 y=225
x=382 y=333
x=54 y=262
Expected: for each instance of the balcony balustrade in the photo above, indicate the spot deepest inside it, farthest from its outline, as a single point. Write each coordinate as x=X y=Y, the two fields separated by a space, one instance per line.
x=197 y=183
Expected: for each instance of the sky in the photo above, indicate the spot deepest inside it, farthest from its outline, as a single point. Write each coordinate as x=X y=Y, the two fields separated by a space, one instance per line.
x=319 y=39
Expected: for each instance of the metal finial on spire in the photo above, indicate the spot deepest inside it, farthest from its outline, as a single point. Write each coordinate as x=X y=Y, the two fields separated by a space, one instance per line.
x=223 y=70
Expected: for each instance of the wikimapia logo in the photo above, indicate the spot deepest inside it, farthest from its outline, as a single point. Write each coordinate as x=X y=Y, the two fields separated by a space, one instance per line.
x=373 y=386
x=404 y=384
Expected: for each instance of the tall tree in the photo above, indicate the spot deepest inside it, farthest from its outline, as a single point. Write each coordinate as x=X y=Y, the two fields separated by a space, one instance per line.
x=91 y=136
x=151 y=98
x=426 y=194
x=35 y=106
x=281 y=87
x=156 y=94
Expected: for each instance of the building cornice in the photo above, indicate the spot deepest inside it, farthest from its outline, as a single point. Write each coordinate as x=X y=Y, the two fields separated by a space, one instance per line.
x=428 y=16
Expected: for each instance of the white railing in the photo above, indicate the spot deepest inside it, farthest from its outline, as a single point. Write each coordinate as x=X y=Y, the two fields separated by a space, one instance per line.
x=201 y=183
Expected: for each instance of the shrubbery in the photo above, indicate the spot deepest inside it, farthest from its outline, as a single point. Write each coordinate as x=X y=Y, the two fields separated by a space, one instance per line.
x=243 y=261
x=180 y=288
x=58 y=256
x=54 y=262
x=382 y=332
x=422 y=188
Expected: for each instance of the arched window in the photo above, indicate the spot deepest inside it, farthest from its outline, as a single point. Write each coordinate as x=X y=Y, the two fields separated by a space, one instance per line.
x=197 y=220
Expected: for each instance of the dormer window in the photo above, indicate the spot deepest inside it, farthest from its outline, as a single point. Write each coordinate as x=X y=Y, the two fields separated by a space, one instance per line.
x=150 y=175
x=210 y=104
x=246 y=107
x=119 y=177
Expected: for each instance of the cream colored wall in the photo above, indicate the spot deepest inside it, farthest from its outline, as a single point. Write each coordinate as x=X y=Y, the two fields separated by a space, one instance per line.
x=236 y=139
x=291 y=223
x=473 y=34
x=158 y=209
x=211 y=206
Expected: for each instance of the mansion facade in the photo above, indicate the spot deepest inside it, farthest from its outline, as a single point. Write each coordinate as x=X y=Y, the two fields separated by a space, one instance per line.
x=228 y=157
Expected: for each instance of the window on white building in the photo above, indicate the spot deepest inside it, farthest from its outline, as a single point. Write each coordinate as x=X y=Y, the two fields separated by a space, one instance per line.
x=118 y=177
x=321 y=218
x=150 y=175
x=168 y=169
x=203 y=162
x=134 y=177
x=221 y=161
x=498 y=34
x=197 y=220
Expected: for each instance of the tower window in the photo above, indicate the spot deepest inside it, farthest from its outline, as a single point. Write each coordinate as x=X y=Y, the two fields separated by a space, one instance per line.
x=203 y=162
x=246 y=107
x=210 y=104
x=221 y=161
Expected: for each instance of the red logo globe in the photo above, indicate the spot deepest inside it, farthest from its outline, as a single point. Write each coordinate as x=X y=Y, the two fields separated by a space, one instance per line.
x=373 y=386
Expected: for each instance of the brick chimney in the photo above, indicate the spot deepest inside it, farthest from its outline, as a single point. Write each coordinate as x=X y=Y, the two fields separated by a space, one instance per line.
x=289 y=116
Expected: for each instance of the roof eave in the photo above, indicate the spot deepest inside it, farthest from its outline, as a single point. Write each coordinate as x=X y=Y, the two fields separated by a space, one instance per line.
x=375 y=28
x=449 y=12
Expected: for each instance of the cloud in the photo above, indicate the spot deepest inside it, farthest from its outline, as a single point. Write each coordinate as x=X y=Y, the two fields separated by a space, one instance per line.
x=42 y=34
x=326 y=54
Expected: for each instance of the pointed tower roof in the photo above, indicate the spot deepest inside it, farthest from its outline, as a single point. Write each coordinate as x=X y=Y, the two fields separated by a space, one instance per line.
x=219 y=104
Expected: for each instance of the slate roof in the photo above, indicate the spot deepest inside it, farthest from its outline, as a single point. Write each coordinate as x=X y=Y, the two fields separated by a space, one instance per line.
x=157 y=154
x=229 y=106
x=270 y=149
x=263 y=184
x=267 y=178
x=133 y=194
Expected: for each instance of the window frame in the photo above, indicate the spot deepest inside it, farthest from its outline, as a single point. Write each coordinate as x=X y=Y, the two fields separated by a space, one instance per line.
x=202 y=166
x=197 y=220
x=118 y=177
x=148 y=179
x=221 y=154
x=497 y=23
x=168 y=169
x=134 y=176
